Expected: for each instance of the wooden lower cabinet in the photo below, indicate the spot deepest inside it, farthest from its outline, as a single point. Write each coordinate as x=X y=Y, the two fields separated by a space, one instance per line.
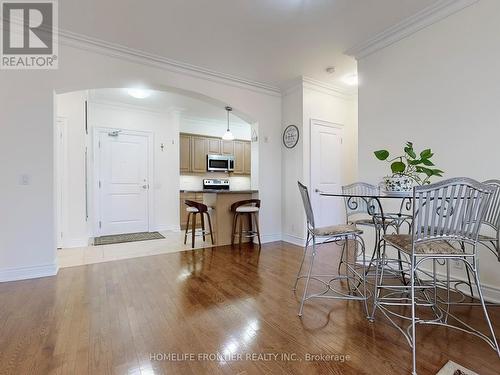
x=197 y=197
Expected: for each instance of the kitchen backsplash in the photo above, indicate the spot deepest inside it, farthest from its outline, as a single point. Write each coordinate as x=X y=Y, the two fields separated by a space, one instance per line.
x=192 y=182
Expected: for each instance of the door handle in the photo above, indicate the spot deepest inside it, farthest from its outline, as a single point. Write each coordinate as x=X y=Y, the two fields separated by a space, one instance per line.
x=145 y=186
x=317 y=191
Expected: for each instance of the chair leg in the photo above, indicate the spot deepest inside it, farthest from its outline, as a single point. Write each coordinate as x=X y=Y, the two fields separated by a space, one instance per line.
x=241 y=228
x=462 y=246
x=301 y=263
x=308 y=277
x=193 y=232
x=481 y=298
x=202 y=218
x=187 y=227
x=233 y=232
x=379 y=276
x=413 y=316
x=210 y=227
x=256 y=217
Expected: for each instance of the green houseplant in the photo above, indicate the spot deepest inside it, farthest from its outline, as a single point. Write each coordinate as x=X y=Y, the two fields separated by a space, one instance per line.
x=409 y=168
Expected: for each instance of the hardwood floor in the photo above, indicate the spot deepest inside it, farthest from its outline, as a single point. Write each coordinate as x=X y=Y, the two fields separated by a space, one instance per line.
x=127 y=316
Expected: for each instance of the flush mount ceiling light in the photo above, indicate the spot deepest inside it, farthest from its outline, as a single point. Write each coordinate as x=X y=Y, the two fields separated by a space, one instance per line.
x=139 y=93
x=350 y=79
x=228 y=136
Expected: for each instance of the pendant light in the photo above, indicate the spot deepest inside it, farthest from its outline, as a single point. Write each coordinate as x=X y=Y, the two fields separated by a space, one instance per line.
x=228 y=136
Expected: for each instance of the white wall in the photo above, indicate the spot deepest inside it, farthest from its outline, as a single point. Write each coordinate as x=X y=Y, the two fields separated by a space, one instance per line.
x=27 y=143
x=439 y=88
x=301 y=104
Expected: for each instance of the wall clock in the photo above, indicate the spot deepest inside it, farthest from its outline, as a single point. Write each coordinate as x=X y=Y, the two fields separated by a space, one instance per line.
x=291 y=136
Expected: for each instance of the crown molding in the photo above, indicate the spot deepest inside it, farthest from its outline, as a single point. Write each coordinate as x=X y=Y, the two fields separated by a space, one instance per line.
x=323 y=87
x=329 y=89
x=102 y=47
x=420 y=20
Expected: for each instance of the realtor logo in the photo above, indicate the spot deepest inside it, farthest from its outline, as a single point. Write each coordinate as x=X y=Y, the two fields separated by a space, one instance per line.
x=29 y=34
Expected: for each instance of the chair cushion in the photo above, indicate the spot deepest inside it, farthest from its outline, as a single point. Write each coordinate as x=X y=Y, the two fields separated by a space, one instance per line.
x=247 y=209
x=403 y=242
x=337 y=230
x=194 y=209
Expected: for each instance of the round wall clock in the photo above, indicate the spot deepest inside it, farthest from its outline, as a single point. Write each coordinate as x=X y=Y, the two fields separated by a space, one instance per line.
x=291 y=136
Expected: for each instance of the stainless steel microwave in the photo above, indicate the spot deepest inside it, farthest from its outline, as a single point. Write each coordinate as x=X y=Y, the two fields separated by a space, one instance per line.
x=220 y=163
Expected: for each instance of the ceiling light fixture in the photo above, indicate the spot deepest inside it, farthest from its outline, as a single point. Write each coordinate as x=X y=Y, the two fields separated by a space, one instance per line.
x=228 y=136
x=139 y=93
x=350 y=79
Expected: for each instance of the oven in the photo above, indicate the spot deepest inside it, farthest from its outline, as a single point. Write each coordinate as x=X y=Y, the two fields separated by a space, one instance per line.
x=220 y=163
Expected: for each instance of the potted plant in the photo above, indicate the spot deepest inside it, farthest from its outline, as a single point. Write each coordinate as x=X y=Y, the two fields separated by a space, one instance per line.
x=408 y=169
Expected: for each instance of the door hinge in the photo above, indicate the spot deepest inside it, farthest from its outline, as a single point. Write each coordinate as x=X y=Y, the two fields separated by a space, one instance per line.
x=100 y=185
x=99 y=144
x=100 y=224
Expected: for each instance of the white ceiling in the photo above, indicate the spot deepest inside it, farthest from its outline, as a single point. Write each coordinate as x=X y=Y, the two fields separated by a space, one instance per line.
x=163 y=101
x=270 y=41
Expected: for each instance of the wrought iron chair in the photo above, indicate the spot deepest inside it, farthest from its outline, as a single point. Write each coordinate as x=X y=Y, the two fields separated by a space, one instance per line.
x=492 y=220
x=445 y=215
x=339 y=234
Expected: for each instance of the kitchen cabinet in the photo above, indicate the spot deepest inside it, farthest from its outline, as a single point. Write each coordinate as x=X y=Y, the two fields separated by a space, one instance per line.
x=185 y=153
x=214 y=146
x=198 y=154
x=247 y=157
x=227 y=147
x=239 y=155
x=194 y=149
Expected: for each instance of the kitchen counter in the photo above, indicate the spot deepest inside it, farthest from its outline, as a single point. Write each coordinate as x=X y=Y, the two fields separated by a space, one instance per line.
x=211 y=191
x=220 y=201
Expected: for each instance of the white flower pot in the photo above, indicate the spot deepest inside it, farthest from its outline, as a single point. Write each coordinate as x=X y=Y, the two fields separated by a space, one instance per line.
x=398 y=183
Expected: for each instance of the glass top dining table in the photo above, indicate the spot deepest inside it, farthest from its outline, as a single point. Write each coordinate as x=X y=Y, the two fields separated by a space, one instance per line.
x=373 y=202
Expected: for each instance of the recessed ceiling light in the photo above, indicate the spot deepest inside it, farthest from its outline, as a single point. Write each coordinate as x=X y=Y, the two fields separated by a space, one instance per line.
x=350 y=79
x=139 y=93
x=330 y=70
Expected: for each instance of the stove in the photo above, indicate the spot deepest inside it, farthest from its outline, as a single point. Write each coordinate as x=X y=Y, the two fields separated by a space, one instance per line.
x=215 y=184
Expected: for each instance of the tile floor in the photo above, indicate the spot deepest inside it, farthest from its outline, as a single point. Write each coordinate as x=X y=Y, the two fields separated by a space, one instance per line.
x=173 y=242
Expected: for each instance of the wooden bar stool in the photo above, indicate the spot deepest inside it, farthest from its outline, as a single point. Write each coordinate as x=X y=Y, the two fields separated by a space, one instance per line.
x=193 y=208
x=249 y=208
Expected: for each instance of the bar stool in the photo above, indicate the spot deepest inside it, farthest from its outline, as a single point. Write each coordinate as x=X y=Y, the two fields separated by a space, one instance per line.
x=193 y=208
x=249 y=208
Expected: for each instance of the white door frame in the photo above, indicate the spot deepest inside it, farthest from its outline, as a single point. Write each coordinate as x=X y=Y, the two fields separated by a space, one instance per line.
x=97 y=172
x=329 y=124
x=61 y=157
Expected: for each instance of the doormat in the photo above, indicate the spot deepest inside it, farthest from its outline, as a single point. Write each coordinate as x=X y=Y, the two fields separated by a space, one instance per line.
x=452 y=368
x=128 y=237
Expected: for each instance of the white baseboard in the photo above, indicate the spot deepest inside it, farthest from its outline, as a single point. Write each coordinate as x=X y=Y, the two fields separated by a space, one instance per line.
x=69 y=243
x=31 y=272
x=165 y=228
x=293 y=239
x=265 y=238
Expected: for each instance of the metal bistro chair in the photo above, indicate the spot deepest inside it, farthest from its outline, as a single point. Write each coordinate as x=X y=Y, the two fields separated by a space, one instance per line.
x=492 y=220
x=445 y=215
x=340 y=234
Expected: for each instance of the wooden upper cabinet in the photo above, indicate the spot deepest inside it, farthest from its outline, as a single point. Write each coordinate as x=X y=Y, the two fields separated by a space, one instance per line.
x=239 y=155
x=198 y=154
x=227 y=147
x=185 y=153
x=247 y=158
x=214 y=146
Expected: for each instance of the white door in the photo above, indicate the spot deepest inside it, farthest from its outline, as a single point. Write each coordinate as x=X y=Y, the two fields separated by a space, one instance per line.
x=326 y=173
x=61 y=186
x=123 y=182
